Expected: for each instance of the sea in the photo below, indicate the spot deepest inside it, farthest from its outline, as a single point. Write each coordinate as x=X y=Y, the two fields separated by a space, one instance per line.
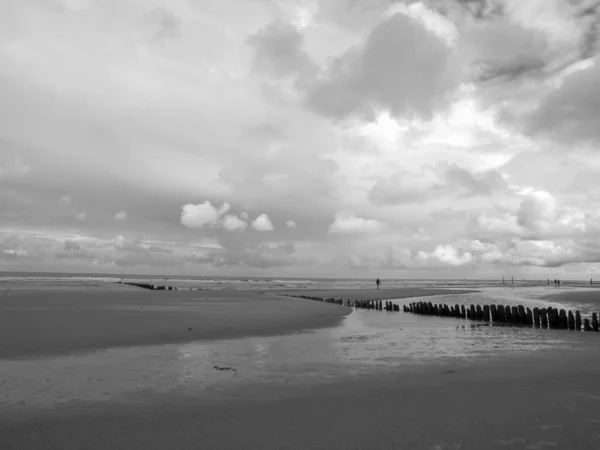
x=264 y=283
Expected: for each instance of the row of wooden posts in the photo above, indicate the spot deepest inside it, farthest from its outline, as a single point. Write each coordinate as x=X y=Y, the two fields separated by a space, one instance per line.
x=149 y=286
x=515 y=315
x=362 y=304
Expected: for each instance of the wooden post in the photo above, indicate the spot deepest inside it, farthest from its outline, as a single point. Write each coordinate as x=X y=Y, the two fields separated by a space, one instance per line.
x=594 y=322
x=472 y=312
x=463 y=312
x=507 y=314
x=494 y=311
x=479 y=313
x=447 y=311
x=522 y=315
x=486 y=313
x=563 y=321
x=544 y=314
x=529 y=318
x=571 y=319
x=586 y=325
x=551 y=323
x=577 y=321
x=536 y=317
x=514 y=314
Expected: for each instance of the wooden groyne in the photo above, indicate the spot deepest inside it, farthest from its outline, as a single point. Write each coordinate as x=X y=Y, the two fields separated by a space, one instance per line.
x=551 y=318
x=377 y=305
x=149 y=286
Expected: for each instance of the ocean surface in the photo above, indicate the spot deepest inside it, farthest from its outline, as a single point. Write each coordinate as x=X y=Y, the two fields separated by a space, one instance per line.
x=261 y=283
x=366 y=342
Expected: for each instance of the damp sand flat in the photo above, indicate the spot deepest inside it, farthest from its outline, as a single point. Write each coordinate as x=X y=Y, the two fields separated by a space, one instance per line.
x=376 y=380
x=60 y=321
x=36 y=319
x=374 y=294
x=539 y=401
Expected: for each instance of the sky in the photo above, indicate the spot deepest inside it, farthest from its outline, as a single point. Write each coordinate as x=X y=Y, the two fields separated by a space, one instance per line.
x=332 y=138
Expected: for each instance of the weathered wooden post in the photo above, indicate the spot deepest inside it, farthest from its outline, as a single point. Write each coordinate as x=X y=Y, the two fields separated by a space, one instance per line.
x=571 y=319
x=463 y=312
x=550 y=317
x=529 y=318
x=563 y=321
x=544 y=314
x=522 y=315
x=457 y=312
x=594 y=322
x=514 y=314
x=586 y=325
x=479 y=313
x=536 y=317
x=472 y=312
x=494 y=313
x=430 y=309
x=500 y=314
x=556 y=317
x=486 y=313
x=508 y=312
x=577 y=321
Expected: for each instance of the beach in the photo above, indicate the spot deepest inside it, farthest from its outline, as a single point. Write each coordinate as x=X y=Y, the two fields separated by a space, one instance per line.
x=110 y=366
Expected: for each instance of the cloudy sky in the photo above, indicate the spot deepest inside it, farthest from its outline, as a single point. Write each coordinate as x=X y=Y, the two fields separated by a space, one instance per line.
x=350 y=138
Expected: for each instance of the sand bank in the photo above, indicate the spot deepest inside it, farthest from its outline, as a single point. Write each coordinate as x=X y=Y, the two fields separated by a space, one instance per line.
x=374 y=294
x=539 y=401
x=581 y=296
x=61 y=321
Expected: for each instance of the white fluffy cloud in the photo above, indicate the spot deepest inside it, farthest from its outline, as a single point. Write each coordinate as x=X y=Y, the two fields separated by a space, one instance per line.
x=64 y=200
x=121 y=215
x=350 y=224
x=202 y=214
x=262 y=223
x=290 y=224
x=233 y=223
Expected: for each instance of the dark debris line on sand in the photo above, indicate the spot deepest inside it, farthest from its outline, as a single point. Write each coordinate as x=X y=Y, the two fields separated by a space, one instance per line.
x=516 y=315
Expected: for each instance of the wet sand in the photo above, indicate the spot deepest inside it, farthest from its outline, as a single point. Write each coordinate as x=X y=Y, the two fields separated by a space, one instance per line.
x=374 y=294
x=63 y=321
x=590 y=296
x=543 y=401
x=386 y=381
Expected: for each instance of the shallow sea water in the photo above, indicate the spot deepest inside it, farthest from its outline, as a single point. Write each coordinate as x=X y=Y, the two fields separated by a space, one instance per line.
x=366 y=342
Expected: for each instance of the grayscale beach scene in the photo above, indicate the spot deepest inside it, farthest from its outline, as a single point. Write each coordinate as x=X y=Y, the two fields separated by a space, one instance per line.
x=299 y=224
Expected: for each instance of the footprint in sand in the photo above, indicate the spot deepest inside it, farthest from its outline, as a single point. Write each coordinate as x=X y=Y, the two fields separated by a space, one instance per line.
x=444 y=446
x=510 y=441
x=542 y=445
x=549 y=427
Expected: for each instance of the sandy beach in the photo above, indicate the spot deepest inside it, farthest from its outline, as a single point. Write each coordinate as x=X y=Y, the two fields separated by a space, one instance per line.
x=63 y=321
x=119 y=368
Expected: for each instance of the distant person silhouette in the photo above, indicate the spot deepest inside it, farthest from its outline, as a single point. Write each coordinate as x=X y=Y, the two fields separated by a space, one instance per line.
x=378 y=282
